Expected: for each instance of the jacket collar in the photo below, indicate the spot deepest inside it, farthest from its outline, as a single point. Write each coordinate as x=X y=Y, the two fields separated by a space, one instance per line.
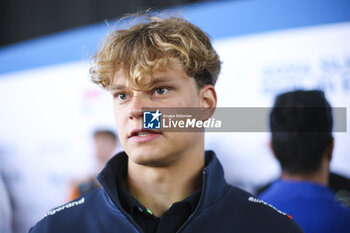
x=214 y=185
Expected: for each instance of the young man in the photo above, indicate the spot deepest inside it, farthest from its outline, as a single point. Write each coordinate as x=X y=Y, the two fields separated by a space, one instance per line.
x=301 y=125
x=164 y=181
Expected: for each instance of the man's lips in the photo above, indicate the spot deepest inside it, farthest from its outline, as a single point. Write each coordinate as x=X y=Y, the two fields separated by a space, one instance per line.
x=142 y=132
x=143 y=135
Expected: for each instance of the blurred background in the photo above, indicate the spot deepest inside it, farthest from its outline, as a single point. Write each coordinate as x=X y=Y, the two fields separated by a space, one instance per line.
x=49 y=109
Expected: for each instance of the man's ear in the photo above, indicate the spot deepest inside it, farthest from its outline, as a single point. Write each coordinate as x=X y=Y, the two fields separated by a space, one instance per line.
x=207 y=101
x=208 y=97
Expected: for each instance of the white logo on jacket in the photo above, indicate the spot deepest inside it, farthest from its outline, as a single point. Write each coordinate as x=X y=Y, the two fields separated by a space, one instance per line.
x=66 y=206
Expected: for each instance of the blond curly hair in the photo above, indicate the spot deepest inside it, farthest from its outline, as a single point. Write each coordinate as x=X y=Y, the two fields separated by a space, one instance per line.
x=152 y=44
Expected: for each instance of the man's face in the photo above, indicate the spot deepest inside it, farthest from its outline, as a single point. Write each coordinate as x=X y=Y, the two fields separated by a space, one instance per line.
x=169 y=88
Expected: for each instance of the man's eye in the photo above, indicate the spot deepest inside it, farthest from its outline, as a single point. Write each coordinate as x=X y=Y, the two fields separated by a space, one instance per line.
x=161 y=90
x=122 y=96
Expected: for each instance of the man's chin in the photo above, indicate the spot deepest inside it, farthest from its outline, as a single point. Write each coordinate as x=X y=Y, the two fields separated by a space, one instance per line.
x=145 y=158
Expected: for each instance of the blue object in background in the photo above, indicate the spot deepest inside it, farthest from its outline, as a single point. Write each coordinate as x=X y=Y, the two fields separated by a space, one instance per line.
x=313 y=206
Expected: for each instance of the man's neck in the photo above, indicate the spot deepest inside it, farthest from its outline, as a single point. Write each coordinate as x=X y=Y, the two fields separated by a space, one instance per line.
x=157 y=188
x=316 y=177
x=320 y=176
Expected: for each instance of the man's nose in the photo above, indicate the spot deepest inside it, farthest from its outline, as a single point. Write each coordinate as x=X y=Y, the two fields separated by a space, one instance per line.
x=137 y=103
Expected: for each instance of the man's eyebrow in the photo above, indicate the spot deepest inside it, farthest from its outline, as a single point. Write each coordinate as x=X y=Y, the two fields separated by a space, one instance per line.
x=116 y=87
x=153 y=82
x=160 y=79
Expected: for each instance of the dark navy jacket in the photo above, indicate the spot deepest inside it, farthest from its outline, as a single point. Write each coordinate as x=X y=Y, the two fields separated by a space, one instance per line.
x=221 y=209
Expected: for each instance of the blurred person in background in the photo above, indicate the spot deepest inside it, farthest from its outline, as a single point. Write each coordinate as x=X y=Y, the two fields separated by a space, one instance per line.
x=164 y=181
x=5 y=209
x=301 y=124
x=105 y=143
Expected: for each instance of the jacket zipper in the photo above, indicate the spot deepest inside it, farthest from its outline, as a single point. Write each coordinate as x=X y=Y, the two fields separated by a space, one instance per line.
x=205 y=173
